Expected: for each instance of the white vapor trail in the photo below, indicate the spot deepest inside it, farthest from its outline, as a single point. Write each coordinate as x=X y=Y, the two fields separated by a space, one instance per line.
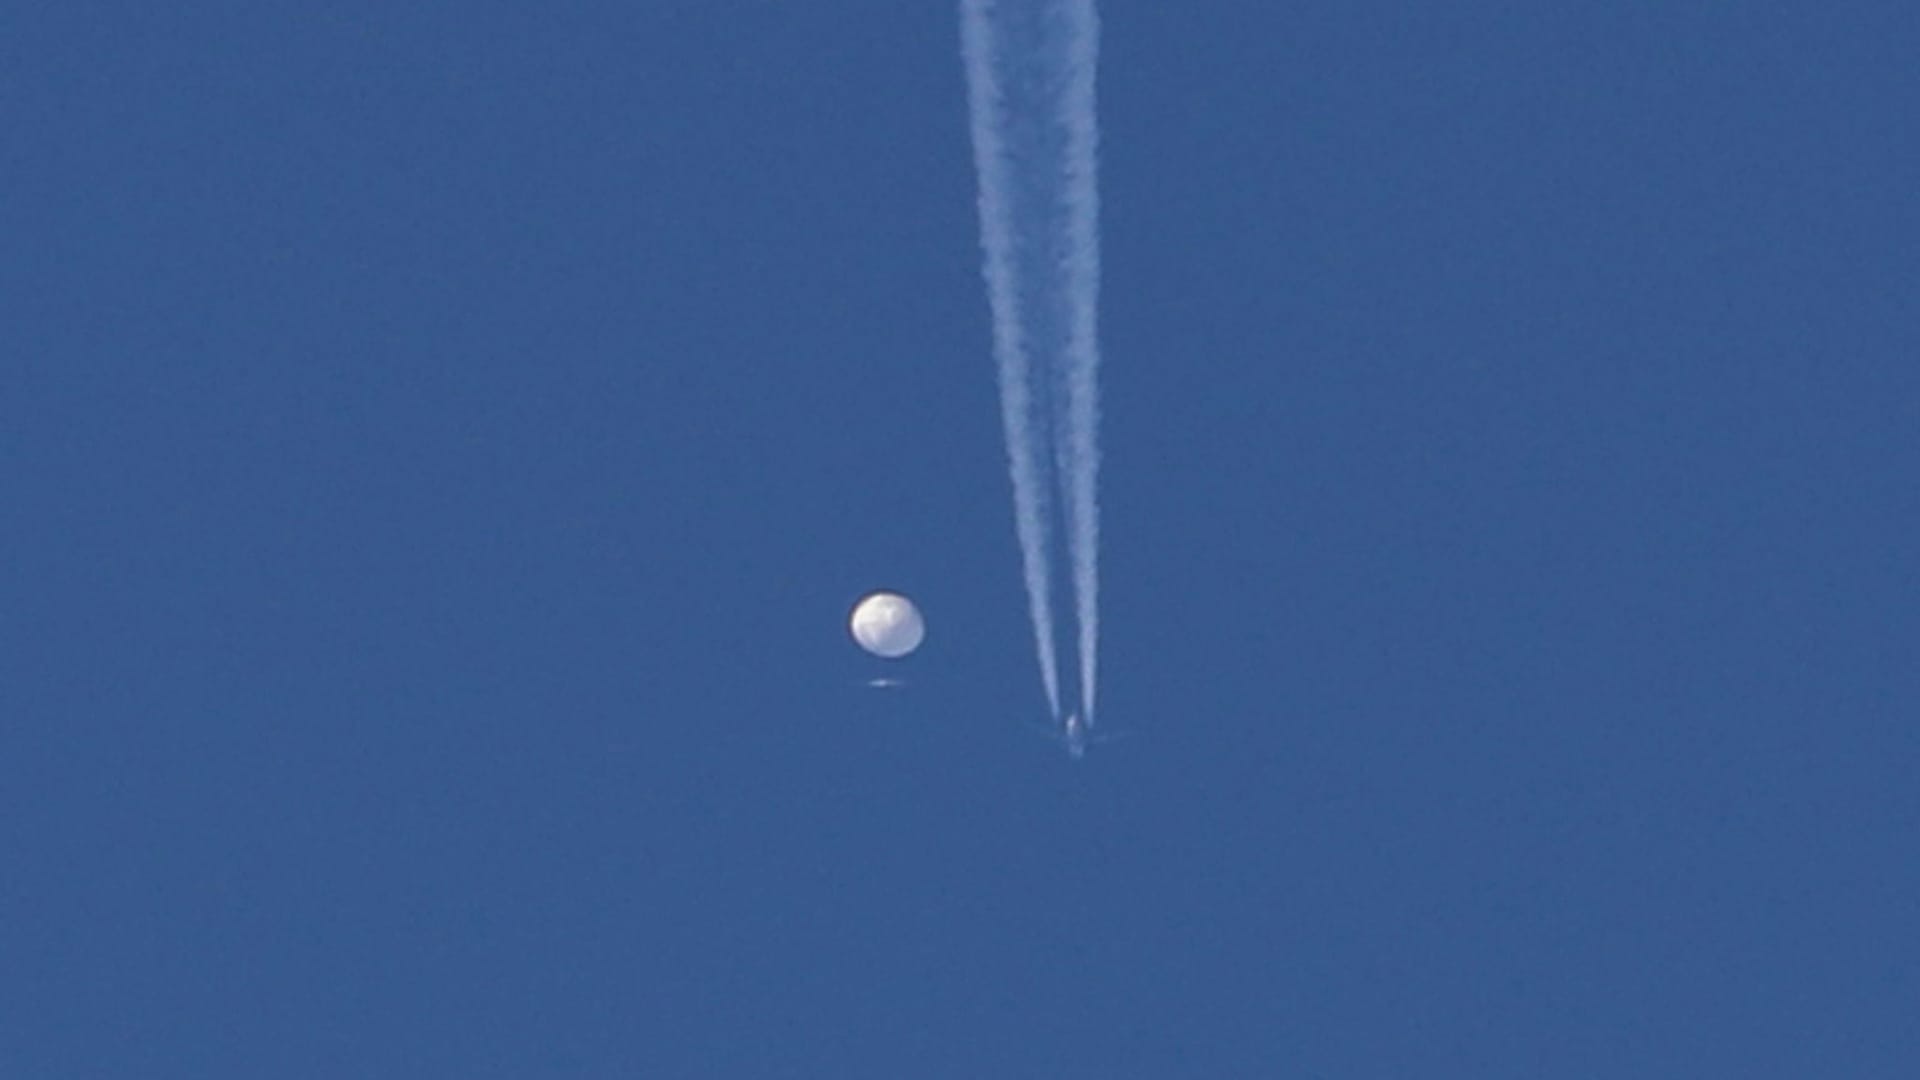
x=1030 y=77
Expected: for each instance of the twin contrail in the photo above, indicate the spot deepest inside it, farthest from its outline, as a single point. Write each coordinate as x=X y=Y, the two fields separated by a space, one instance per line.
x=1030 y=82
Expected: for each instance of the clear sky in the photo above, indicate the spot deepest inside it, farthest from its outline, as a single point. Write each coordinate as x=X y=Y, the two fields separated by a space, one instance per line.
x=441 y=443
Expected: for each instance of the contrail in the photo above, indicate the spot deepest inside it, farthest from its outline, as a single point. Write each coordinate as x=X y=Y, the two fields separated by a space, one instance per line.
x=1082 y=360
x=1030 y=78
x=992 y=161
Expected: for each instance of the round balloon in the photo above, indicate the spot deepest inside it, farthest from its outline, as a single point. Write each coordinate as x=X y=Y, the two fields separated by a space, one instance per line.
x=887 y=624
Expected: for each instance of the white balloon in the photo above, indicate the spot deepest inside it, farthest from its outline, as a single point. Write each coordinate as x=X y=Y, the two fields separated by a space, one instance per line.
x=887 y=624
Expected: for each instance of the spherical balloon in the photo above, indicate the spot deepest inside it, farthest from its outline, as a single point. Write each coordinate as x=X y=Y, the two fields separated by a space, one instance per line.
x=887 y=624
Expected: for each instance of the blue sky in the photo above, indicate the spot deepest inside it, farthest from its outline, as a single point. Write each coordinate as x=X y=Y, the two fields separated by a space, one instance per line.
x=442 y=443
